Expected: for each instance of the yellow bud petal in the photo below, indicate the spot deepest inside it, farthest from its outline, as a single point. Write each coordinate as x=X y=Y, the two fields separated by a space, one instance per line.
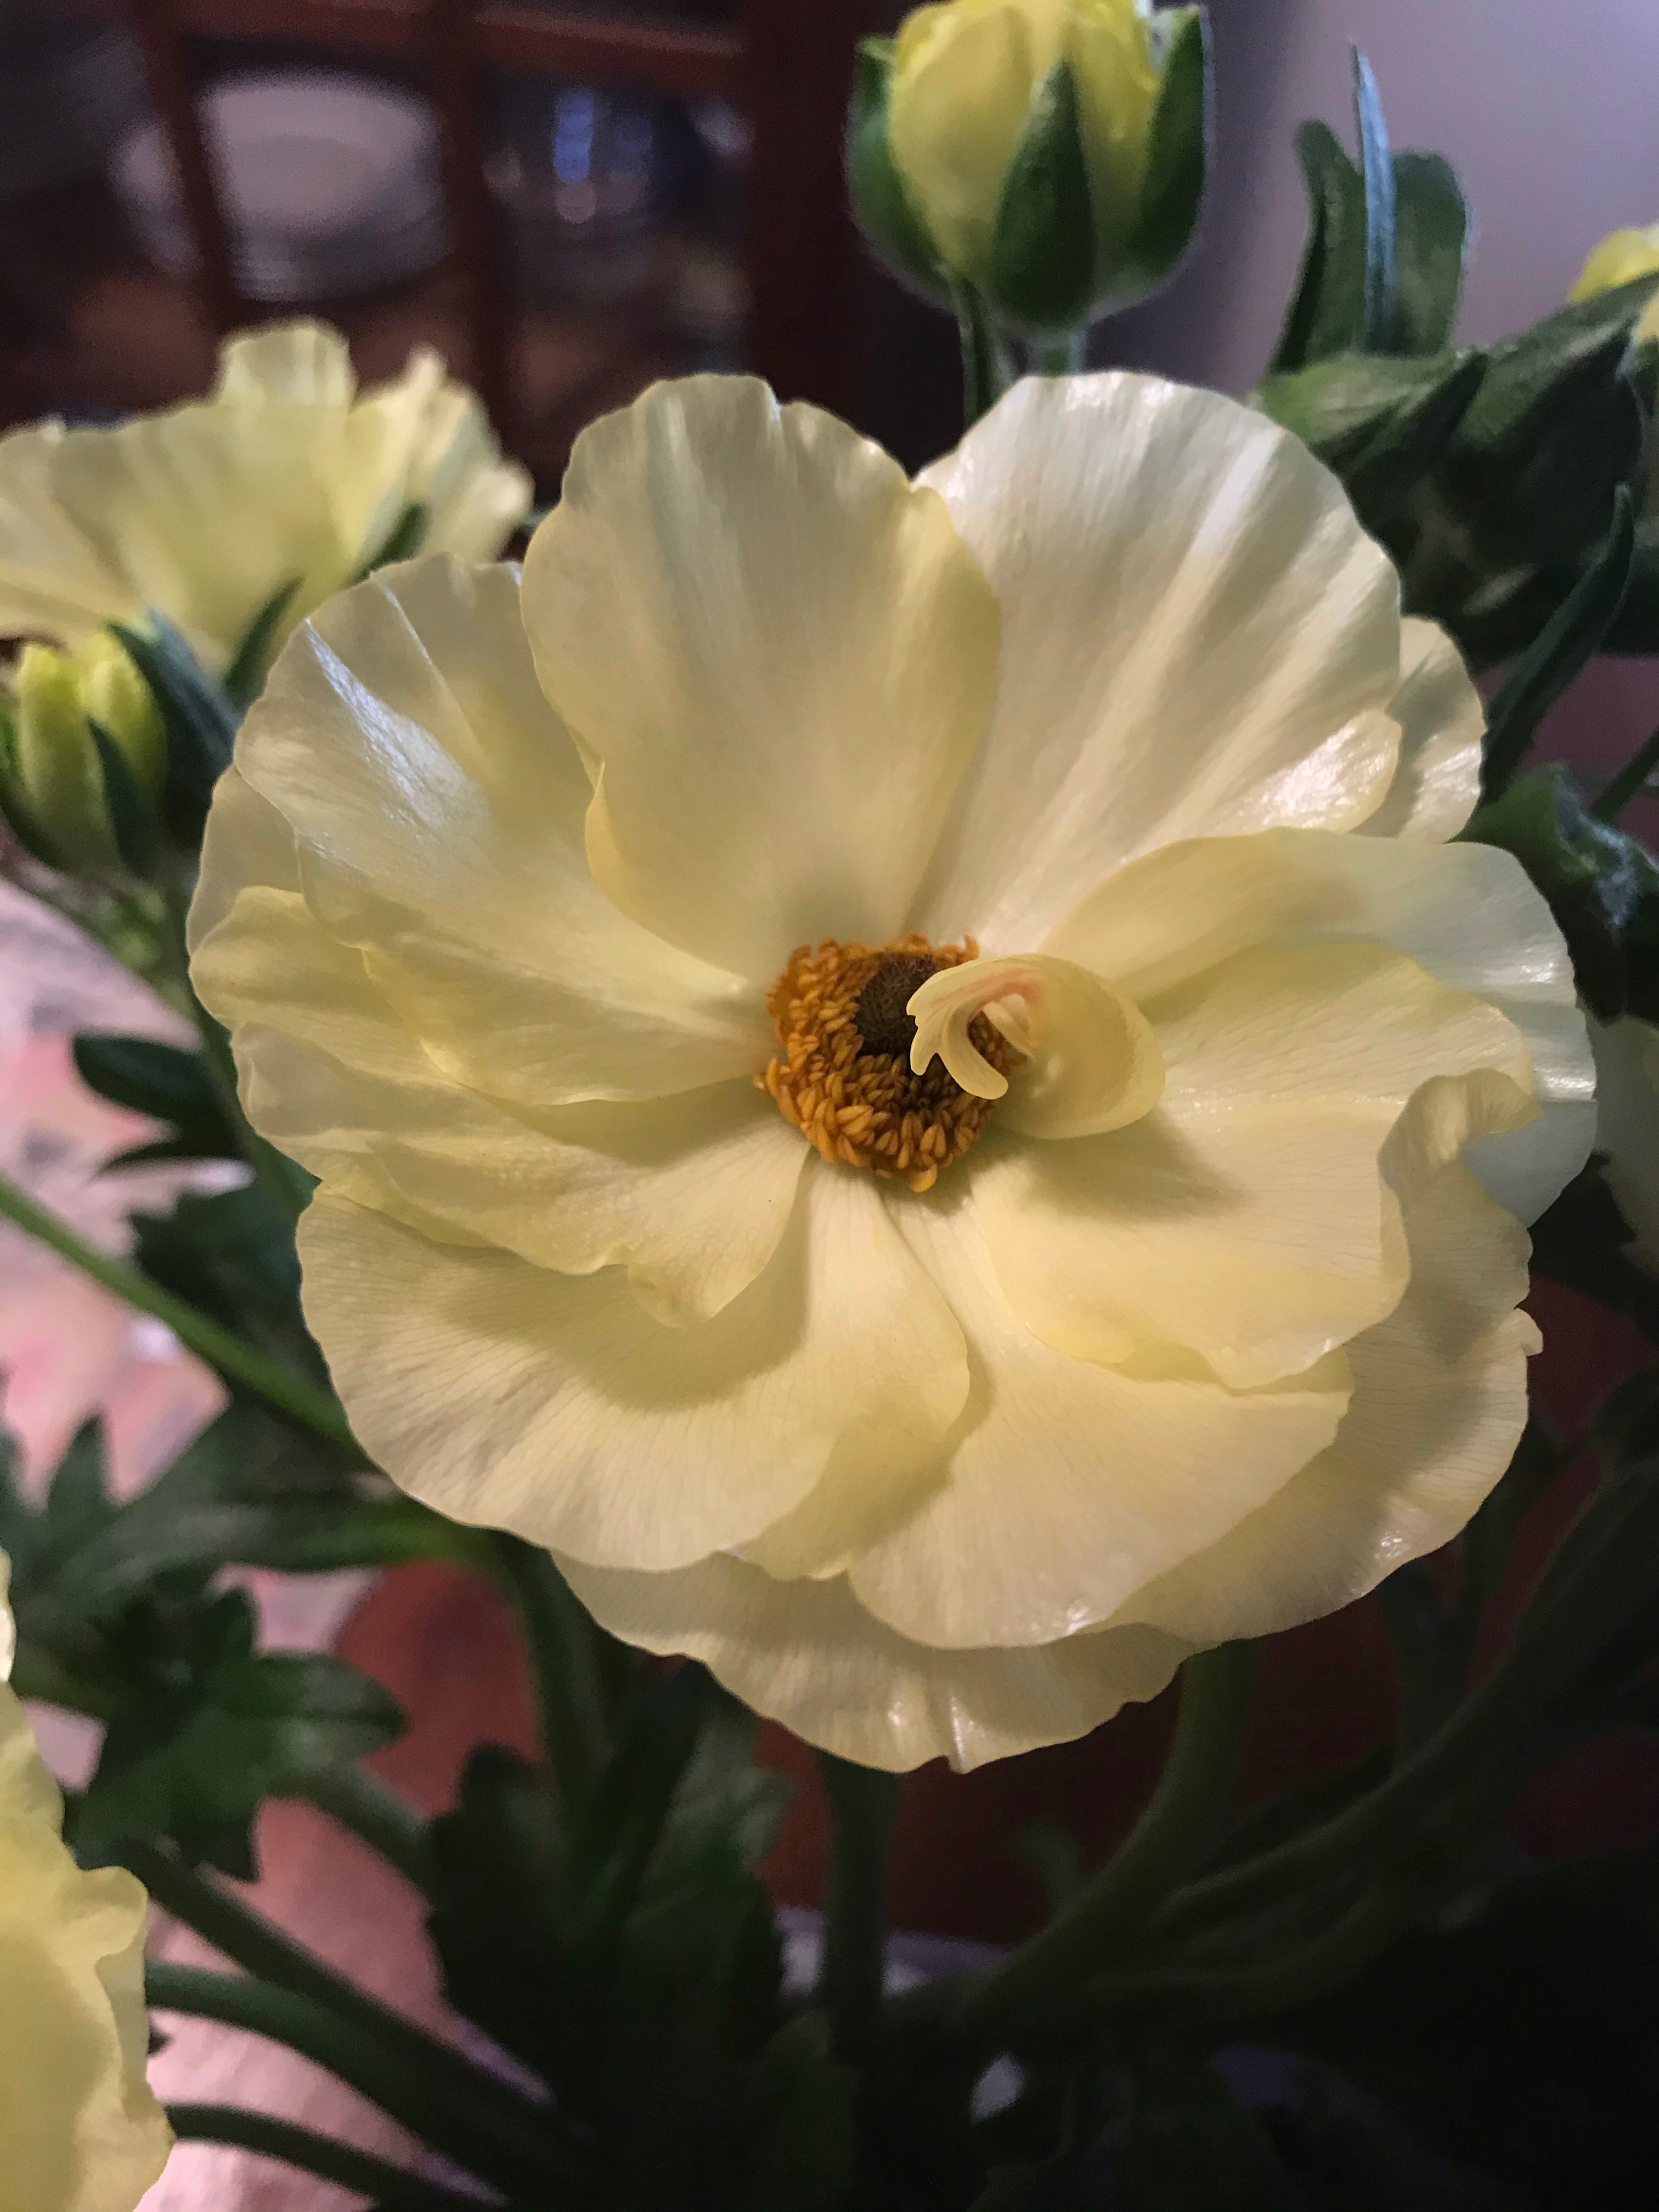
x=114 y=694
x=59 y=694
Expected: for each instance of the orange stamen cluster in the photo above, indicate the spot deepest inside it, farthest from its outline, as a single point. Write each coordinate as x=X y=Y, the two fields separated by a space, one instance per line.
x=844 y=1076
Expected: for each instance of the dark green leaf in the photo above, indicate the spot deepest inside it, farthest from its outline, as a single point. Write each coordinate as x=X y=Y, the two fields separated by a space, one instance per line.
x=1379 y=317
x=78 y=1506
x=1043 y=253
x=1431 y=242
x=1177 y=164
x=190 y=1757
x=1636 y=628
x=232 y=1254
x=884 y=214
x=1426 y=1660
x=1188 y=2143
x=201 y=721
x=1567 y=642
x=1584 y=1241
x=251 y=662
x=164 y=1082
x=1529 y=371
x=1327 y=312
x=1382 y=424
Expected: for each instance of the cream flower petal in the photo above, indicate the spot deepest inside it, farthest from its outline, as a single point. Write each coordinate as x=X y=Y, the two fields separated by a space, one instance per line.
x=691 y=1194
x=1066 y=1485
x=1442 y=719
x=304 y=362
x=55 y=580
x=1246 y=1219
x=1089 y=1059
x=1439 y=1402
x=1197 y=637
x=557 y=1406
x=437 y=805
x=79 y=2128
x=807 y=1654
x=776 y=655
x=441 y=454
x=1467 y=914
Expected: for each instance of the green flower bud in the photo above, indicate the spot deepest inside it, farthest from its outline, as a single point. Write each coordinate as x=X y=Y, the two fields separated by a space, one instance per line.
x=52 y=783
x=1050 y=154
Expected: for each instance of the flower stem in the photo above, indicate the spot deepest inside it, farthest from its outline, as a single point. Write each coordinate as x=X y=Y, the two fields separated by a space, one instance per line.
x=1642 y=764
x=292 y=1394
x=362 y=1804
x=1291 y=1979
x=1063 y=356
x=518 y=2153
x=986 y=370
x=862 y=1803
x=1191 y=1792
x=392 y=2187
x=580 y=1673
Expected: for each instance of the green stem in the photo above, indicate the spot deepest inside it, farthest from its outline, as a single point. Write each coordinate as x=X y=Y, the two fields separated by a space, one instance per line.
x=280 y=1386
x=986 y=371
x=1063 y=355
x=862 y=1803
x=392 y=2187
x=579 y=1672
x=1191 y=1795
x=1292 y=1979
x=362 y=1804
x=1630 y=779
x=521 y=2154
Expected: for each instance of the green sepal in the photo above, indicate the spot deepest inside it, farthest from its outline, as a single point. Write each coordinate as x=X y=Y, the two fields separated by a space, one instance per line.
x=1042 y=272
x=880 y=205
x=1431 y=239
x=1177 y=165
x=1327 y=309
x=133 y=822
x=1567 y=642
x=251 y=662
x=401 y=543
x=201 y=720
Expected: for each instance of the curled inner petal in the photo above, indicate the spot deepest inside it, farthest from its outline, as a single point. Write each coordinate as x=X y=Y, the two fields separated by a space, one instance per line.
x=1087 y=1059
x=846 y=1076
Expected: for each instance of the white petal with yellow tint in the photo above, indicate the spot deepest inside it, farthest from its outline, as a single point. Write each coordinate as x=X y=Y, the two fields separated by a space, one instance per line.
x=557 y=1406
x=79 y=2128
x=1467 y=914
x=1065 y=1485
x=55 y=580
x=1246 y=1219
x=807 y=1654
x=441 y=454
x=305 y=363
x=437 y=805
x=1439 y=1402
x=777 y=658
x=1088 y=1062
x=691 y=1194
x=1442 y=719
x=1197 y=637
x=963 y=82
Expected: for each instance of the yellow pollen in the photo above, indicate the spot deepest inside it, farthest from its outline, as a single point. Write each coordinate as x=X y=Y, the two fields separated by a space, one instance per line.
x=844 y=1077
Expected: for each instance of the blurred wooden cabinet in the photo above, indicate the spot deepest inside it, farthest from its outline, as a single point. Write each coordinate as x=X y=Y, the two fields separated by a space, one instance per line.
x=785 y=66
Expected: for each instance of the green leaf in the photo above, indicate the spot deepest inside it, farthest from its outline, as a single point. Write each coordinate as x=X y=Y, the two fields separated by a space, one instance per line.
x=1043 y=253
x=1529 y=371
x=1383 y=424
x=210 y=1728
x=201 y=721
x=1379 y=315
x=166 y=1083
x=884 y=213
x=251 y=662
x=1327 y=314
x=232 y=1255
x=1584 y=1241
x=1177 y=163
x=1636 y=629
x=1567 y=642
x=1431 y=246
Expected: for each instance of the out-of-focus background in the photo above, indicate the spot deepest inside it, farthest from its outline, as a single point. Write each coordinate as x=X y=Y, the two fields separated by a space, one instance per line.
x=568 y=202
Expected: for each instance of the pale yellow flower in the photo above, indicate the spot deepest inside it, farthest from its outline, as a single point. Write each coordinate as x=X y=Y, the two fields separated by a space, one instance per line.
x=1621 y=258
x=1627 y=1125
x=57 y=775
x=79 y=2128
x=965 y=76
x=1204 y=1325
x=284 y=475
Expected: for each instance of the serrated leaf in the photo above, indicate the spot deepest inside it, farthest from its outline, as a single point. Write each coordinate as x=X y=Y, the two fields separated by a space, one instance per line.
x=1043 y=249
x=879 y=202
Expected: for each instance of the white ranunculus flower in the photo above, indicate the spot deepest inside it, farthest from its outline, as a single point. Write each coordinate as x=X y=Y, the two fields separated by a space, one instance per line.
x=941 y=1404
x=285 y=474
x=79 y=2128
